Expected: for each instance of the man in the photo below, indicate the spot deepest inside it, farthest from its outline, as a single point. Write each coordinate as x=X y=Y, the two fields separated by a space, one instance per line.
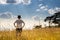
x=19 y=24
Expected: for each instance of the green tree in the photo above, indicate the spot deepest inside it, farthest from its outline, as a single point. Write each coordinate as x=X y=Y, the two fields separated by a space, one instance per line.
x=55 y=18
x=49 y=19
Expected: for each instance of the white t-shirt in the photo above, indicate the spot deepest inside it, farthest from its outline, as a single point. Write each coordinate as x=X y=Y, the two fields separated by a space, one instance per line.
x=19 y=23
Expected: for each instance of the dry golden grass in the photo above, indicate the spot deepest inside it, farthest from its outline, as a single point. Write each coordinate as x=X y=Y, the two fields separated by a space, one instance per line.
x=35 y=34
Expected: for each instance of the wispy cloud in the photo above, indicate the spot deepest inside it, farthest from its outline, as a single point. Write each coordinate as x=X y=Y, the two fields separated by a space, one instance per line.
x=6 y=15
x=25 y=2
x=37 y=10
x=36 y=17
x=52 y=11
x=42 y=7
x=49 y=10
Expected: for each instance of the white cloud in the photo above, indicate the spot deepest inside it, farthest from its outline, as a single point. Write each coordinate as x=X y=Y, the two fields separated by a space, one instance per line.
x=11 y=1
x=57 y=9
x=45 y=8
x=52 y=11
x=18 y=1
x=7 y=24
x=37 y=10
x=3 y=1
x=38 y=21
x=42 y=7
x=25 y=2
x=36 y=17
x=6 y=15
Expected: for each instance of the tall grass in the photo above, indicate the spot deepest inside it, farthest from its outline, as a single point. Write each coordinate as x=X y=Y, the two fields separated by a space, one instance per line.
x=35 y=34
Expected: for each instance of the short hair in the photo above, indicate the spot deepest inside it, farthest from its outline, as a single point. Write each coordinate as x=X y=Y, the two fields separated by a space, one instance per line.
x=19 y=16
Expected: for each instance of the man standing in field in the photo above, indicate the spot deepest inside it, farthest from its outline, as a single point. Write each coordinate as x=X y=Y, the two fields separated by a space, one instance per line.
x=19 y=24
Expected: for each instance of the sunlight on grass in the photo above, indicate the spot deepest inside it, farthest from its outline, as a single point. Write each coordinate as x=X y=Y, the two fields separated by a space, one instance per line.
x=35 y=34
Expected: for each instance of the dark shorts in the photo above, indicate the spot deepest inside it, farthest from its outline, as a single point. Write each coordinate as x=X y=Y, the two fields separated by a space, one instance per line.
x=18 y=29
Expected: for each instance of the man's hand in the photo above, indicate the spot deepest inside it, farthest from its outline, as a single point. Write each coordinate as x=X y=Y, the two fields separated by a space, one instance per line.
x=14 y=24
x=23 y=24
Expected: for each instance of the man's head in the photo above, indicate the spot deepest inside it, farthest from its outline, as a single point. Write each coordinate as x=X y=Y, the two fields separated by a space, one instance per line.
x=19 y=16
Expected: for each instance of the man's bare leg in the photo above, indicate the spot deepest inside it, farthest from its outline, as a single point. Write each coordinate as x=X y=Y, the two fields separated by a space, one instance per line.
x=17 y=35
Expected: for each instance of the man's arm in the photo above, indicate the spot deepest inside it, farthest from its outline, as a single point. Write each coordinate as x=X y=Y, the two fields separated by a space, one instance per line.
x=14 y=23
x=23 y=24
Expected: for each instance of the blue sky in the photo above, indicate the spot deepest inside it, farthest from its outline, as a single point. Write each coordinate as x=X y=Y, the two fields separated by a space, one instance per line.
x=28 y=11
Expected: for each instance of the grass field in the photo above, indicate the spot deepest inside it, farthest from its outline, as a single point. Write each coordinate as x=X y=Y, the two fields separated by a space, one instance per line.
x=35 y=34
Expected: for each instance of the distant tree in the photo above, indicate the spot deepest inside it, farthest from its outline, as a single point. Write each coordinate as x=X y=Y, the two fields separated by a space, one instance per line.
x=38 y=26
x=55 y=18
x=49 y=19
